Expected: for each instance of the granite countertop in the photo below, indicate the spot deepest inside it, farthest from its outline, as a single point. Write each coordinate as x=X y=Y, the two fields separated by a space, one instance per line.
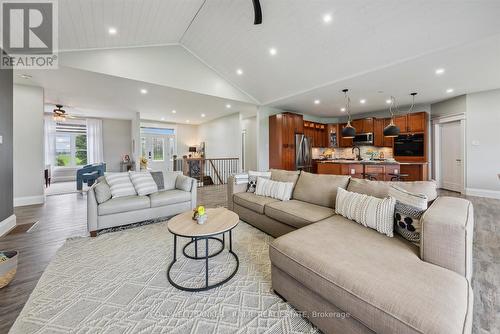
x=369 y=162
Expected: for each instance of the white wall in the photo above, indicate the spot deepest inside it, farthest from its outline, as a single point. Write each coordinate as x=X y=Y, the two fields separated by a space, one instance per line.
x=456 y=105
x=187 y=135
x=482 y=145
x=263 y=136
x=116 y=142
x=250 y=127
x=222 y=137
x=28 y=145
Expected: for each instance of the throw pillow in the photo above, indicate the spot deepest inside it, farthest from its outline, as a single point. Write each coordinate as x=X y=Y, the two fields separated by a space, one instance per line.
x=183 y=183
x=252 y=179
x=144 y=183
x=274 y=189
x=102 y=191
x=169 y=179
x=409 y=210
x=369 y=211
x=158 y=178
x=120 y=184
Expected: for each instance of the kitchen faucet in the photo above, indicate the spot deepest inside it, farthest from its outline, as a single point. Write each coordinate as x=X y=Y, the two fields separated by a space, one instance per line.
x=358 y=156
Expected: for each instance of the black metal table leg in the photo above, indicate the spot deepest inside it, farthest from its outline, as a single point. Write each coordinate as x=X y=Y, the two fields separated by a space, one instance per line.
x=206 y=262
x=175 y=247
x=230 y=241
x=223 y=240
x=195 y=247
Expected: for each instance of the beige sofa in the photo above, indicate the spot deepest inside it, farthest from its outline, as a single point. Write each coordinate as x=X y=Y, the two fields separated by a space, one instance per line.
x=131 y=209
x=350 y=279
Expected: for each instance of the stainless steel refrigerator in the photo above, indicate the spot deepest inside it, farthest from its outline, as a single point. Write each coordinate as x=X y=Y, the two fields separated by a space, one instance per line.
x=303 y=153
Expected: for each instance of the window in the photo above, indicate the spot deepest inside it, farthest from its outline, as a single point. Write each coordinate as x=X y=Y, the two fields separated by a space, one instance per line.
x=71 y=144
x=158 y=149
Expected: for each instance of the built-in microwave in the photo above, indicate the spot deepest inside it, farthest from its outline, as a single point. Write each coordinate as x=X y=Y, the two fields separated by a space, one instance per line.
x=363 y=139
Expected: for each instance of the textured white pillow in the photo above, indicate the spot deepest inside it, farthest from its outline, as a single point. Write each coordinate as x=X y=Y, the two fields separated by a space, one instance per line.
x=368 y=211
x=144 y=183
x=120 y=184
x=274 y=189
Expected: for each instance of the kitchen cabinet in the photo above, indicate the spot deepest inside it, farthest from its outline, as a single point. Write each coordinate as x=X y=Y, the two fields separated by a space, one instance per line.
x=416 y=172
x=332 y=135
x=411 y=123
x=329 y=168
x=367 y=125
x=354 y=170
x=344 y=142
x=317 y=132
x=282 y=130
x=378 y=133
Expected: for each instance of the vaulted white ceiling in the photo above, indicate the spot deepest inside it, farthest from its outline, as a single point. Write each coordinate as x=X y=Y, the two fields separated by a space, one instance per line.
x=375 y=48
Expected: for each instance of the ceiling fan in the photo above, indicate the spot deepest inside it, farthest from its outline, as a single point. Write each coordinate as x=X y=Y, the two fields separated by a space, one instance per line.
x=257 y=11
x=59 y=114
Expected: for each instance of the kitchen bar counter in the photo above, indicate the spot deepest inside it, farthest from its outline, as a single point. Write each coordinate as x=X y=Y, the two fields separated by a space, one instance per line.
x=377 y=169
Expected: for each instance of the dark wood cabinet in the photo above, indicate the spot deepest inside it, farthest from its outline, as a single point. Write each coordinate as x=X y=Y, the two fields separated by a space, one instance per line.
x=282 y=130
x=378 y=133
x=411 y=123
x=416 y=172
x=332 y=135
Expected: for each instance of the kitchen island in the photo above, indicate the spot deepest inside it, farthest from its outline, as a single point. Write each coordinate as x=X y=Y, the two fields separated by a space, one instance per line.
x=380 y=170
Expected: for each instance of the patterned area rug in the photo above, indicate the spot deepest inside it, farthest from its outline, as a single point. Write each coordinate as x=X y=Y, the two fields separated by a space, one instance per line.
x=116 y=283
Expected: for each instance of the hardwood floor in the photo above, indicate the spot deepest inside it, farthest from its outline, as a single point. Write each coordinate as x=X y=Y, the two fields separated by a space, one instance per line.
x=61 y=217
x=64 y=216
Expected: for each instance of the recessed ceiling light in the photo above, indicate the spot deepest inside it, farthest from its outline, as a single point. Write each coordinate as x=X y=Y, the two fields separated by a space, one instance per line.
x=439 y=71
x=362 y=101
x=144 y=91
x=174 y=111
x=342 y=109
x=273 y=51
x=112 y=31
x=388 y=101
x=203 y=115
x=228 y=106
x=163 y=118
x=327 y=18
x=239 y=71
x=187 y=120
x=317 y=101
x=449 y=90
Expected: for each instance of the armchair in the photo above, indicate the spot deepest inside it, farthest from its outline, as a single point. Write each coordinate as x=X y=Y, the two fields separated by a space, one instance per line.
x=89 y=174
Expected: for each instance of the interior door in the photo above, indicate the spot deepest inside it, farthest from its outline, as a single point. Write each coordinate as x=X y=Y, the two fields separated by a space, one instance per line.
x=159 y=150
x=452 y=156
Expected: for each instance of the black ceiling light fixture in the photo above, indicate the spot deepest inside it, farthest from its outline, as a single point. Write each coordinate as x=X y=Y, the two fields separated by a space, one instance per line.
x=258 y=12
x=392 y=130
x=348 y=131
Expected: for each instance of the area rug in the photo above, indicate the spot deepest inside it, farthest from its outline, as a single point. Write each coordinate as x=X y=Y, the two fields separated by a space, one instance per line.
x=116 y=283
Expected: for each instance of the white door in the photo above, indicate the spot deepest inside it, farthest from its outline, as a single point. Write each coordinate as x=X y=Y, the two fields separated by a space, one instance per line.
x=452 y=157
x=159 y=150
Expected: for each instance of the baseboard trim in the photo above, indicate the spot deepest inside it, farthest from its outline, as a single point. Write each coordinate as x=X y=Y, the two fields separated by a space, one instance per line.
x=29 y=200
x=483 y=193
x=7 y=224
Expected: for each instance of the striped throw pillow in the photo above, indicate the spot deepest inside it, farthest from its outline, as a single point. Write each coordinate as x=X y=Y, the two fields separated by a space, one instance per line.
x=144 y=183
x=120 y=184
x=369 y=211
x=274 y=189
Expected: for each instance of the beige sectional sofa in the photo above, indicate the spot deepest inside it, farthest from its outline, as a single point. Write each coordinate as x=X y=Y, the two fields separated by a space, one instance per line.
x=350 y=279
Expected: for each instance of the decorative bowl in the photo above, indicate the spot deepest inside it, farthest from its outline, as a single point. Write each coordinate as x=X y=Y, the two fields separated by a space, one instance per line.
x=8 y=268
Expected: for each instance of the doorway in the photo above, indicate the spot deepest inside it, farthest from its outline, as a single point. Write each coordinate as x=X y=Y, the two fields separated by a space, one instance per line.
x=158 y=146
x=449 y=144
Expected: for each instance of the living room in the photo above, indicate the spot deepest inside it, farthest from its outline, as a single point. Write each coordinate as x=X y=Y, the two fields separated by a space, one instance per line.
x=236 y=166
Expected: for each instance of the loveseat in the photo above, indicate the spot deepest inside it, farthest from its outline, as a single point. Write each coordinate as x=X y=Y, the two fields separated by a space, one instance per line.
x=347 y=278
x=131 y=209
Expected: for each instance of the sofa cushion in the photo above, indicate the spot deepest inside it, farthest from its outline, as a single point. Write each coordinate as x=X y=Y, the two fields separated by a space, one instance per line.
x=123 y=204
x=183 y=183
x=380 y=189
x=297 y=213
x=143 y=182
x=379 y=281
x=284 y=175
x=102 y=191
x=120 y=184
x=167 y=197
x=169 y=179
x=319 y=189
x=253 y=202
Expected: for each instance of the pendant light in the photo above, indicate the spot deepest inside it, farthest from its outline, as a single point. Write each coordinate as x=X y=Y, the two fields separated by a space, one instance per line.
x=348 y=131
x=392 y=130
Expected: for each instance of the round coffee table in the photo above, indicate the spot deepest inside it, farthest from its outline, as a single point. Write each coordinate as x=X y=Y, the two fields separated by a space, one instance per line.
x=219 y=221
